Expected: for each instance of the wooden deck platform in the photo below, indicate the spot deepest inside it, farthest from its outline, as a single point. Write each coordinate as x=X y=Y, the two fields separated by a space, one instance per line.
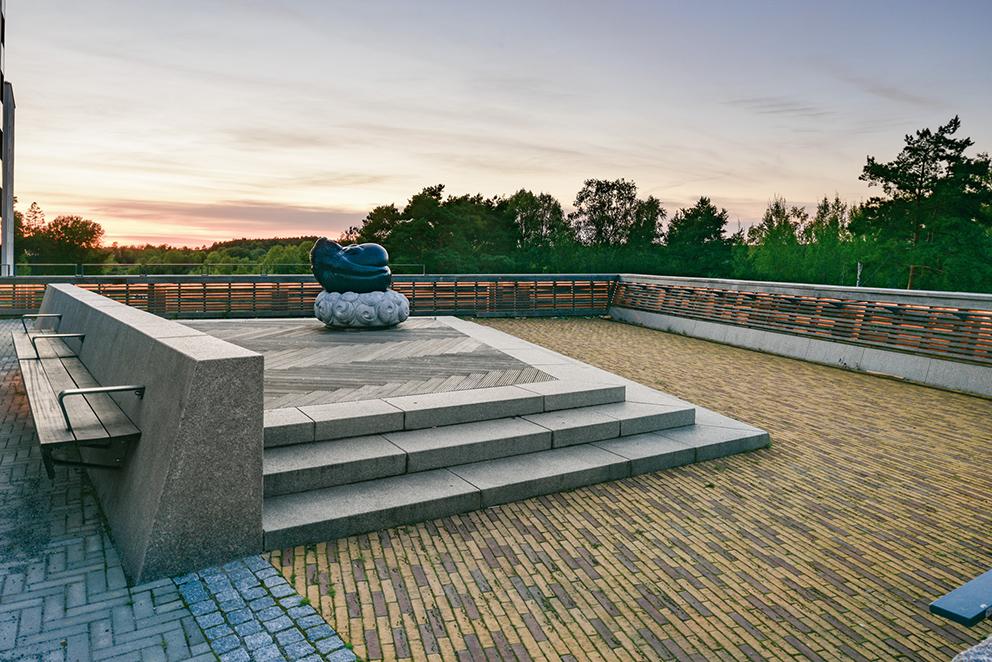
x=308 y=364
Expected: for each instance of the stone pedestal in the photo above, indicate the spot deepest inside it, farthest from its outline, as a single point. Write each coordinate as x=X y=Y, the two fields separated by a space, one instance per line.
x=369 y=310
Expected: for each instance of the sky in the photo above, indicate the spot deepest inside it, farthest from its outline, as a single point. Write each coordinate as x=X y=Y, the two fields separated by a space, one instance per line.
x=188 y=122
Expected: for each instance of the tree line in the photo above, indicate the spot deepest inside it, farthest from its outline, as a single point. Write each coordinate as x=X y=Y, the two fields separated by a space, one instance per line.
x=929 y=226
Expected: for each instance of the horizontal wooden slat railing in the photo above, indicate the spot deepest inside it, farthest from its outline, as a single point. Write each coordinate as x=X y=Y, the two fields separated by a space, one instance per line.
x=933 y=324
x=288 y=296
x=954 y=326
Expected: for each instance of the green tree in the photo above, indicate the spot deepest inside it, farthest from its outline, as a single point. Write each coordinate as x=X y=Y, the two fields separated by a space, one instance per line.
x=696 y=240
x=605 y=211
x=70 y=239
x=647 y=228
x=934 y=217
x=540 y=219
x=773 y=244
x=375 y=227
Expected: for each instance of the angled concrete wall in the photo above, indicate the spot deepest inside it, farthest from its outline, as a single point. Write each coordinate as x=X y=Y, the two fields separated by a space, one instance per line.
x=965 y=377
x=190 y=492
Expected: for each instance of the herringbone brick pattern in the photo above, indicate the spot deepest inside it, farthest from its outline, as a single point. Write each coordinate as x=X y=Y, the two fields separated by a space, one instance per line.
x=63 y=594
x=872 y=501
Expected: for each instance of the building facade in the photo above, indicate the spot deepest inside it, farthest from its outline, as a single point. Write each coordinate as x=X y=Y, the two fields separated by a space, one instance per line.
x=6 y=157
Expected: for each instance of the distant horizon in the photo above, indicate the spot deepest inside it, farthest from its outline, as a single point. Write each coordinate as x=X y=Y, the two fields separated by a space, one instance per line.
x=257 y=120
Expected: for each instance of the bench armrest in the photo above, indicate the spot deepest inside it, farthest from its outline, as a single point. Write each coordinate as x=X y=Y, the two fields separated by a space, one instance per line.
x=138 y=391
x=35 y=339
x=25 y=318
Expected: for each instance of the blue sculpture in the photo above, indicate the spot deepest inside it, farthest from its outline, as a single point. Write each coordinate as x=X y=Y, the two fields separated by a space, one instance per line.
x=356 y=268
x=356 y=282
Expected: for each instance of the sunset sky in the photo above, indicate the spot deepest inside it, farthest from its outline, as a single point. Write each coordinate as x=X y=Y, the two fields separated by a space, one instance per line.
x=189 y=122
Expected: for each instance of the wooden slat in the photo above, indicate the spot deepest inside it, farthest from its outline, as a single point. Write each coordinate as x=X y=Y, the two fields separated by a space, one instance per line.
x=86 y=425
x=48 y=348
x=113 y=419
x=948 y=333
x=48 y=421
x=22 y=345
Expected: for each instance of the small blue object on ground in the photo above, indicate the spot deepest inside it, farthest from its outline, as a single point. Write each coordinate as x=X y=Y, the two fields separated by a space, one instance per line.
x=967 y=604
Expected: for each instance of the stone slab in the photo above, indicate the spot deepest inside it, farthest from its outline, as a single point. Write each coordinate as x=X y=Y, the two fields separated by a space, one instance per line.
x=650 y=452
x=302 y=467
x=436 y=409
x=966 y=377
x=524 y=476
x=353 y=419
x=433 y=448
x=639 y=417
x=576 y=426
x=285 y=426
x=712 y=442
x=336 y=512
x=569 y=395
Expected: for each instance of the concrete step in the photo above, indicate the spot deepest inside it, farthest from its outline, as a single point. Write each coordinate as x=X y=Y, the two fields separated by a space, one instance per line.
x=334 y=512
x=620 y=419
x=300 y=425
x=321 y=464
x=302 y=467
x=556 y=470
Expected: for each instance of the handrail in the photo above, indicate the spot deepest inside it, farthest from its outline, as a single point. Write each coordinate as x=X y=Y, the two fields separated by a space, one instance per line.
x=24 y=318
x=63 y=394
x=45 y=336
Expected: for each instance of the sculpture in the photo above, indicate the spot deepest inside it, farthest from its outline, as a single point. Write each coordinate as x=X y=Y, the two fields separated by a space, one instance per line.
x=356 y=268
x=356 y=283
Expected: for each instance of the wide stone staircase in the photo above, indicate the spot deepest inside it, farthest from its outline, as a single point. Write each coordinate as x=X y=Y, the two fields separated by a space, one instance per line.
x=340 y=469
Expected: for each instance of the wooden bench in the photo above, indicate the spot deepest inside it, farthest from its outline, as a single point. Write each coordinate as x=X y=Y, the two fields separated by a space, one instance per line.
x=71 y=411
x=969 y=603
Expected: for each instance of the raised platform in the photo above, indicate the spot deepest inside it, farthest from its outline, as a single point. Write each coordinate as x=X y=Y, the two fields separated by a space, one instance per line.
x=371 y=429
x=307 y=363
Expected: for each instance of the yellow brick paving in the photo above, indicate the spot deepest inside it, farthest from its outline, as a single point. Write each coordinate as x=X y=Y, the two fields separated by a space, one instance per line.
x=872 y=501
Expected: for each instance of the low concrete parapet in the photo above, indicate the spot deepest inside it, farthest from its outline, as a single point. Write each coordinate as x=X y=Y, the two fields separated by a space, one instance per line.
x=928 y=370
x=190 y=491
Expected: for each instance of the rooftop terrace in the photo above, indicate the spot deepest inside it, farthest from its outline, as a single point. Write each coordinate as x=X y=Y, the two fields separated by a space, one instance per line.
x=830 y=544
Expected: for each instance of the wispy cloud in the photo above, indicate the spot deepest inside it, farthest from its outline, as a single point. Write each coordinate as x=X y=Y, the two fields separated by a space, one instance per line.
x=885 y=89
x=779 y=105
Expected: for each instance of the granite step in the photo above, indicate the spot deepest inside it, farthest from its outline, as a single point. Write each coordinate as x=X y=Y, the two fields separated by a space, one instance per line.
x=302 y=467
x=345 y=510
x=300 y=425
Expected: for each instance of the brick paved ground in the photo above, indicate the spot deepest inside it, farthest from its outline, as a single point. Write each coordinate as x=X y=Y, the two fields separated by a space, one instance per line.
x=64 y=596
x=872 y=501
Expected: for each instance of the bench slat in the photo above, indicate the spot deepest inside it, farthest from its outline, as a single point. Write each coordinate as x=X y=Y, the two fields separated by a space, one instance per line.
x=53 y=348
x=22 y=345
x=45 y=411
x=115 y=421
x=85 y=424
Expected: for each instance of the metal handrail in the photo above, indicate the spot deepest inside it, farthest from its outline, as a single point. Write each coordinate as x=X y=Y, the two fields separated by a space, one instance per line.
x=138 y=391
x=24 y=318
x=41 y=336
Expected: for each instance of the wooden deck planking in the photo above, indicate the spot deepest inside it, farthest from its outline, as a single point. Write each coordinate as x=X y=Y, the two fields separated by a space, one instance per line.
x=307 y=363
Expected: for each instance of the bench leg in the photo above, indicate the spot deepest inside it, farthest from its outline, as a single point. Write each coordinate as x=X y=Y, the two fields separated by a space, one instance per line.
x=104 y=455
x=46 y=456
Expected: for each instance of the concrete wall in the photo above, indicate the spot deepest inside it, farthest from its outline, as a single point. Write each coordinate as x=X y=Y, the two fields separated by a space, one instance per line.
x=190 y=491
x=965 y=377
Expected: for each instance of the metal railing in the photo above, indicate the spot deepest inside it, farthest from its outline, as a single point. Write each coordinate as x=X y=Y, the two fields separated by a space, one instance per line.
x=954 y=326
x=288 y=296
x=183 y=268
